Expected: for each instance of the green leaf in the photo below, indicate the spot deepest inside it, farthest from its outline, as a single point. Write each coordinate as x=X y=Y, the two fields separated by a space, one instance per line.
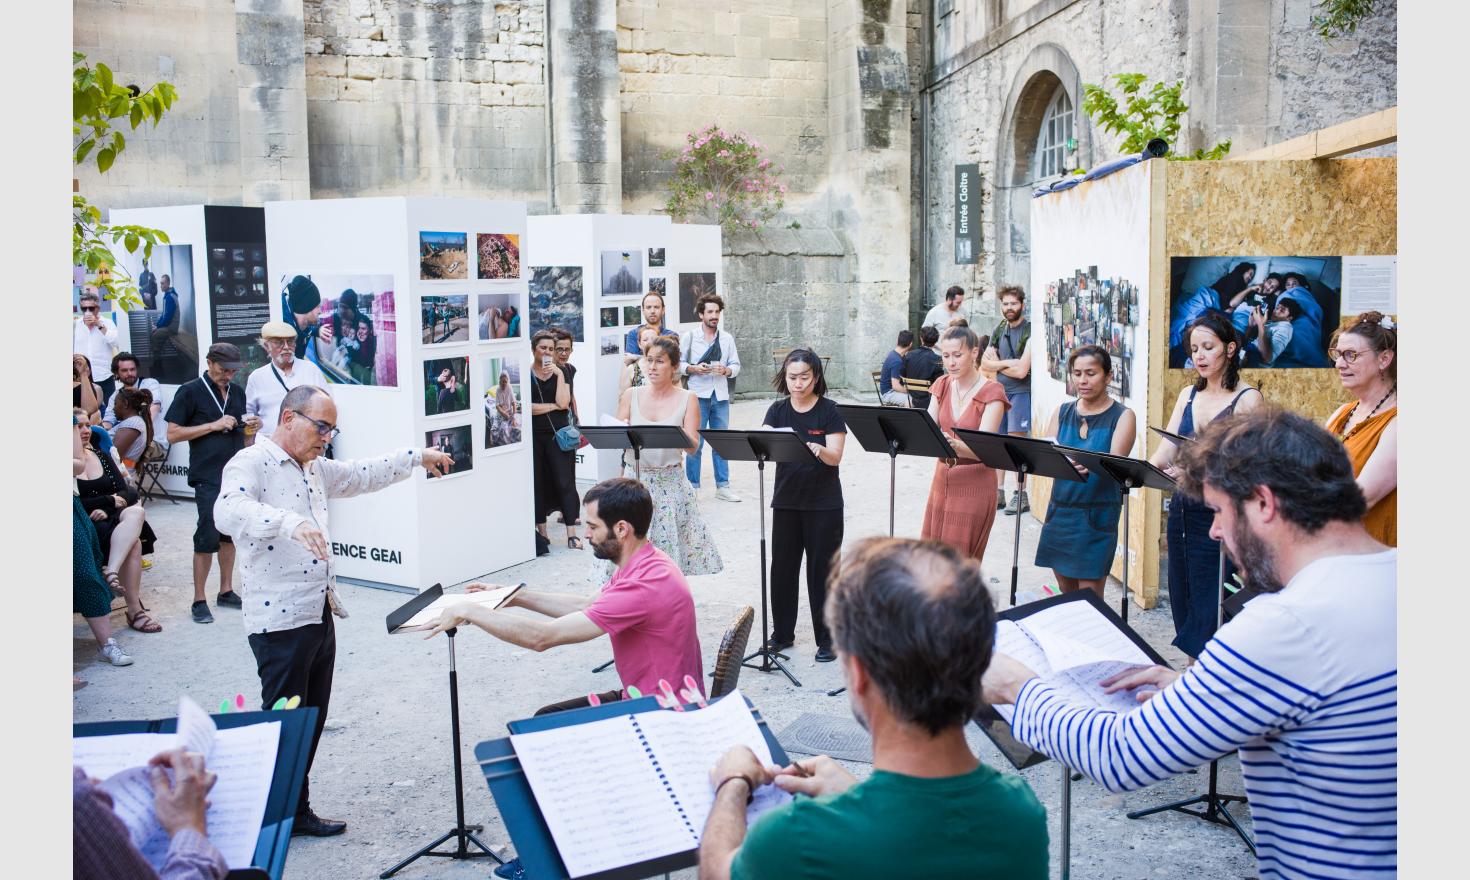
x=135 y=115
x=104 y=76
x=83 y=149
x=105 y=157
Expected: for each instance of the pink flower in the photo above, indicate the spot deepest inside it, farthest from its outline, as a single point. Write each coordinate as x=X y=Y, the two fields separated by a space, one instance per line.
x=708 y=196
x=765 y=163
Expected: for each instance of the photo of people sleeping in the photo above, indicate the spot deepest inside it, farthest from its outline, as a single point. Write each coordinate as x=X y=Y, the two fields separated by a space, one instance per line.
x=1283 y=308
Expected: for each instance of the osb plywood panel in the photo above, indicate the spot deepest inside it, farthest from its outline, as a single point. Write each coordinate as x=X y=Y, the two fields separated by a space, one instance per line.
x=1319 y=207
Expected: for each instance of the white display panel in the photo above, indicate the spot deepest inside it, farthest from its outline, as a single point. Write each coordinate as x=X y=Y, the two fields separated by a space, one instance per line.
x=184 y=225
x=421 y=531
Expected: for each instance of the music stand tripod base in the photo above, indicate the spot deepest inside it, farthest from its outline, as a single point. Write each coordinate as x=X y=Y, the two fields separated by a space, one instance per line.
x=461 y=833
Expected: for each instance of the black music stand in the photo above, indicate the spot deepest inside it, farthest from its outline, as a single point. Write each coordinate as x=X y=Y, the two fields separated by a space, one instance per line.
x=895 y=431
x=1022 y=756
x=636 y=438
x=1128 y=473
x=461 y=832
x=1024 y=455
x=760 y=447
x=1216 y=806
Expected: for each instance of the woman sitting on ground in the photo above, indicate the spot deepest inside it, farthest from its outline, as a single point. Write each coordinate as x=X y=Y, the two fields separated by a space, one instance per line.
x=123 y=533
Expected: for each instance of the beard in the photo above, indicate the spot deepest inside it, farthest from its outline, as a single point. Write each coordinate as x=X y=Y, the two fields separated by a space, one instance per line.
x=605 y=549
x=1253 y=557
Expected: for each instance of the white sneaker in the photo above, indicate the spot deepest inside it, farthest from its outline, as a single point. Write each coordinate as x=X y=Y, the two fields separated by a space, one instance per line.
x=113 y=653
x=725 y=493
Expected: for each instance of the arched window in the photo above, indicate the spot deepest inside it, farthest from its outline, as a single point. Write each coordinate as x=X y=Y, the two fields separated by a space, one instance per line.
x=1051 y=141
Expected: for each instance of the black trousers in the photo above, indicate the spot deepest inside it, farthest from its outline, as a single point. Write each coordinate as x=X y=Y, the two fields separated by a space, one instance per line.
x=555 y=479
x=818 y=534
x=299 y=662
x=578 y=703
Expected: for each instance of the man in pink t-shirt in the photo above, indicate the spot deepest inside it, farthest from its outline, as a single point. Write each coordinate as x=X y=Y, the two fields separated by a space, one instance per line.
x=646 y=608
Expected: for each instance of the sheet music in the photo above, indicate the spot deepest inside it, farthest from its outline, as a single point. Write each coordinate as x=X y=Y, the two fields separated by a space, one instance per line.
x=1075 y=634
x=600 y=796
x=689 y=744
x=195 y=728
x=429 y=614
x=243 y=758
x=105 y=756
x=611 y=421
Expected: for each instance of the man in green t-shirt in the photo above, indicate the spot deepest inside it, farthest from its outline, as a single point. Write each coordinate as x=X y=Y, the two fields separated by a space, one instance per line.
x=914 y=627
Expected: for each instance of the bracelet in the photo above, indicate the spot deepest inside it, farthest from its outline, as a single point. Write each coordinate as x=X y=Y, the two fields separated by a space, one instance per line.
x=749 y=788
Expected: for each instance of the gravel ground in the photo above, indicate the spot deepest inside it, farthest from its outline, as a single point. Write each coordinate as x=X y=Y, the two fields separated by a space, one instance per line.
x=384 y=763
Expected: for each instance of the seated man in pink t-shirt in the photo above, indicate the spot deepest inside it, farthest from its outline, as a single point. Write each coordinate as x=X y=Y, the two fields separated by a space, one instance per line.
x=646 y=608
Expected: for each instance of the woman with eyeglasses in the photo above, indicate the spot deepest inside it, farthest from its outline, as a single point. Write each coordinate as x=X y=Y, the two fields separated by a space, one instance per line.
x=1194 y=557
x=1366 y=355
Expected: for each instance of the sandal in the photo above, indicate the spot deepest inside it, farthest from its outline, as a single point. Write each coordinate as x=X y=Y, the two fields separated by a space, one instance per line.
x=574 y=542
x=112 y=581
x=142 y=622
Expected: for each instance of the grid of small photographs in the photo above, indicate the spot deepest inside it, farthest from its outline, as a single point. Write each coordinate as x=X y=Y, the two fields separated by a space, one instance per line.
x=455 y=319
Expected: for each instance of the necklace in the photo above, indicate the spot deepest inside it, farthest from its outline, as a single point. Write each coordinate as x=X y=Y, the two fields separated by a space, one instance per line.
x=1354 y=411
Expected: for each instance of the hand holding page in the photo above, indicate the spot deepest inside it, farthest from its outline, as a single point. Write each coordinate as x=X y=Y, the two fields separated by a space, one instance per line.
x=429 y=614
x=1072 y=647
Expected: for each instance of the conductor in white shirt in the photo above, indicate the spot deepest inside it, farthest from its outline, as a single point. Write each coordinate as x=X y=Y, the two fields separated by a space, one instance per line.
x=710 y=361
x=268 y=384
x=274 y=504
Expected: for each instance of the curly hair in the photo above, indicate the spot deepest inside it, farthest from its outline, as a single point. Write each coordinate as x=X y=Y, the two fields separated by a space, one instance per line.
x=1369 y=325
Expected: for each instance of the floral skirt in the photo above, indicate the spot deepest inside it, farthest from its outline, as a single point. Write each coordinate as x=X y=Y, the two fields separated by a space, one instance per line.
x=677 y=527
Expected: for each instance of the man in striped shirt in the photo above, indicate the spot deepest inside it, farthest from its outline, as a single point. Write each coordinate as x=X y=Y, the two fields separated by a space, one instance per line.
x=1303 y=682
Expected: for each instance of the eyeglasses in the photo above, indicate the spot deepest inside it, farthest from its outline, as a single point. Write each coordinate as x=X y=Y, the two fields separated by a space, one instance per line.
x=323 y=429
x=90 y=309
x=1347 y=354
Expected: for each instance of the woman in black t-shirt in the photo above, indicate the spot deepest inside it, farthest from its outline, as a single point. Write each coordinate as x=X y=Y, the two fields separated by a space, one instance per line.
x=807 y=502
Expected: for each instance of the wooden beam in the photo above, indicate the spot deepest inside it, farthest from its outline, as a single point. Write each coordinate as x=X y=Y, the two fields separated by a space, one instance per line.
x=1365 y=132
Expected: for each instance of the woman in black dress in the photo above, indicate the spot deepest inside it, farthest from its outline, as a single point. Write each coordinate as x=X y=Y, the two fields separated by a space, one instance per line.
x=555 y=470
x=111 y=503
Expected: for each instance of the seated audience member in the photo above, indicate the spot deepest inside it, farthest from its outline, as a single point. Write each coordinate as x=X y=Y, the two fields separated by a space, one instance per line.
x=923 y=363
x=914 y=627
x=123 y=533
x=85 y=394
x=133 y=431
x=125 y=369
x=646 y=608
x=90 y=596
x=890 y=380
x=102 y=848
x=1302 y=681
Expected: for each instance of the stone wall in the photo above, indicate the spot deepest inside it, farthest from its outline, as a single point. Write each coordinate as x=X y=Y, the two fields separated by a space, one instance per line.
x=1323 y=82
x=426 y=97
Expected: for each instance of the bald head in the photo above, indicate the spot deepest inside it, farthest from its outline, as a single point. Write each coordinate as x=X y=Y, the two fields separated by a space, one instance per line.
x=308 y=423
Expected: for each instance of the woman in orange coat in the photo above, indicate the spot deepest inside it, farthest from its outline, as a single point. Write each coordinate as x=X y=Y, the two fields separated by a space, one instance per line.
x=1367 y=360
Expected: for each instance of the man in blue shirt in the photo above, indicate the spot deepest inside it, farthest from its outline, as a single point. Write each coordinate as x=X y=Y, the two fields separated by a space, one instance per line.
x=167 y=325
x=890 y=380
x=653 y=315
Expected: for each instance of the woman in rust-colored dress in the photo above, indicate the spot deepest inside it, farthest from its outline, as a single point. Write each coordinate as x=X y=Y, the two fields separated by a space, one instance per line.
x=961 y=506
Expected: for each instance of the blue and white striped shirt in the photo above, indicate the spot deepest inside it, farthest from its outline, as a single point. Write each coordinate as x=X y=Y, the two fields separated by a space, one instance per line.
x=1304 y=683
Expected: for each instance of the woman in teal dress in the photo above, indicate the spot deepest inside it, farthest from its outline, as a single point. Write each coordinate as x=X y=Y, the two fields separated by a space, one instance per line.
x=1081 y=531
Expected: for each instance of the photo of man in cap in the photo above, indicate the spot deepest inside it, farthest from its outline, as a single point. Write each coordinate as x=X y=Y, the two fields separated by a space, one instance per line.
x=302 y=309
x=267 y=385
x=208 y=413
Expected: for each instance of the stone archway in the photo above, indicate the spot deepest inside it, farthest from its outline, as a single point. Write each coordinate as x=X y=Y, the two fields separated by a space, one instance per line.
x=1046 y=68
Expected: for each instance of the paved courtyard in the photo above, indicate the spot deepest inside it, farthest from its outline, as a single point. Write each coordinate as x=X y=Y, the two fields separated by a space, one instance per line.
x=384 y=763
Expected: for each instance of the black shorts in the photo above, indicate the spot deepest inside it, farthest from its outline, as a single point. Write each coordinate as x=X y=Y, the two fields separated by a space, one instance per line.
x=206 y=537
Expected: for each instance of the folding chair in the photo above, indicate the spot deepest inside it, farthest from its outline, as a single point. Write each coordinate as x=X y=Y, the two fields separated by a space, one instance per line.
x=150 y=469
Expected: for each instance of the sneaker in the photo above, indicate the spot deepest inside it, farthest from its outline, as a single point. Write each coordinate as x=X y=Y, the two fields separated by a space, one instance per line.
x=113 y=653
x=725 y=493
x=200 y=610
x=1019 y=504
x=1000 y=499
x=511 y=870
x=147 y=564
x=229 y=600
